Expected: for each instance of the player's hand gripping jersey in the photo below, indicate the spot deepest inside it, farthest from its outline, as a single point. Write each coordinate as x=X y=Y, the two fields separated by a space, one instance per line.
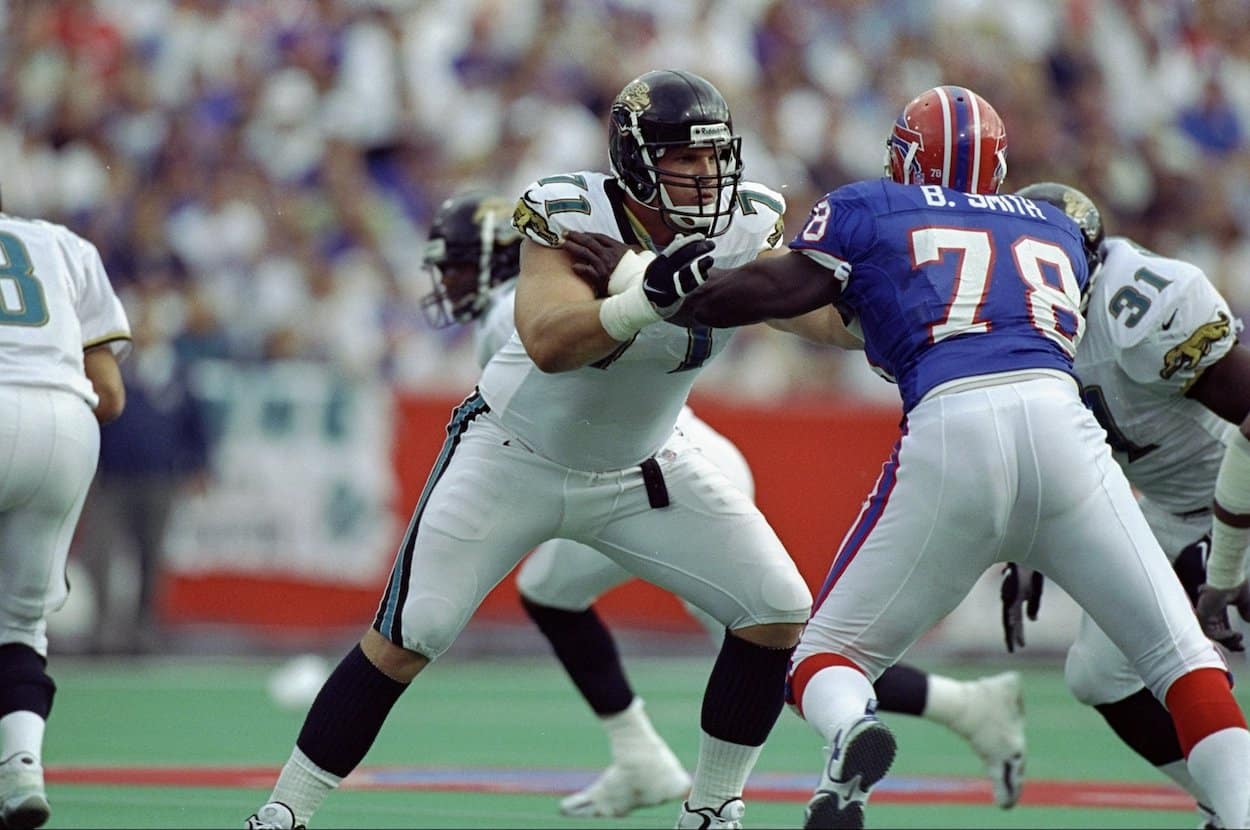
x=561 y=415
x=924 y=268
x=1153 y=325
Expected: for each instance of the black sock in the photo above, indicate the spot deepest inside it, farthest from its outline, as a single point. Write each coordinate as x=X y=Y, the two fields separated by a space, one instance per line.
x=348 y=713
x=24 y=685
x=584 y=646
x=1144 y=724
x=902 y=688
x=745 y=692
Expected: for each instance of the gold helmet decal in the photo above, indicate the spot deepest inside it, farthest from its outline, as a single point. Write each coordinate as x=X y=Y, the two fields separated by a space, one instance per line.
x=636 y=97
x=497 y=209
x=491 y=204
x=1079 y=208
x=533 y=224
x=1186 y=355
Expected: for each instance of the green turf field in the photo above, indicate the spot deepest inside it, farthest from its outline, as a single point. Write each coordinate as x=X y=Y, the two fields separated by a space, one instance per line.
x=500 y=714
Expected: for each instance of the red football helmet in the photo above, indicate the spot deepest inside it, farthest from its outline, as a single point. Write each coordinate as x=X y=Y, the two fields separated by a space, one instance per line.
x=949 y=136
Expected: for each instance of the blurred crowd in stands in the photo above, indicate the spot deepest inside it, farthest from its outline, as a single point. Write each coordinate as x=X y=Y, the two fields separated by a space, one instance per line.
x=259 y=174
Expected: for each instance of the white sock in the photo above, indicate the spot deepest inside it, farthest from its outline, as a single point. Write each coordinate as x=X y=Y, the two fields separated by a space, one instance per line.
x=1179 y=772
x=303 y=785
x=21 y=731
x=834 y=697
x=631 y=733
x=722 y=771
x=1218 y=764
x=947 y=702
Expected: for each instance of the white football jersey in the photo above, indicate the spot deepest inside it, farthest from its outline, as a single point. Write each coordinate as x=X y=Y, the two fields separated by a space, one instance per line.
x=1153 y=325
x=55 y=301
x=618 y=411
x=496 y=324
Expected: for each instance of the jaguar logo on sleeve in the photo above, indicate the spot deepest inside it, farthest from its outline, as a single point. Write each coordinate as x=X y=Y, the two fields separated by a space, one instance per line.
x=779 y=231
x=533 y=224
x=1186 y=355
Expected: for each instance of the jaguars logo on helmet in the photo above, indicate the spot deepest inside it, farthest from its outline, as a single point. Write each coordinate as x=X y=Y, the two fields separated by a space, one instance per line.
x=472 y=249
x=667 y=109
x=636 y=96
x=1079 y=208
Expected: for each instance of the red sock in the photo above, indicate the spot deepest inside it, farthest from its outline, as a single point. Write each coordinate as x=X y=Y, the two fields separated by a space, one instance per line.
x=1202 y=703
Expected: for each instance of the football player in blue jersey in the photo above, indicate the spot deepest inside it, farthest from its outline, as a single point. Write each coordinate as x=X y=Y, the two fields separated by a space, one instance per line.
x=971 y=302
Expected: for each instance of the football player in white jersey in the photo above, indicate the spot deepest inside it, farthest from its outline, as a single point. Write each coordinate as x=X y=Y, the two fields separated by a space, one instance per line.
x=62 y=331
x=572 y=435
x=1161 y=368
x=473 y=258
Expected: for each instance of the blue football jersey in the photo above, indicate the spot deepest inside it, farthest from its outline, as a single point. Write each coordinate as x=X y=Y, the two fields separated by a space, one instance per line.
x=946 y=284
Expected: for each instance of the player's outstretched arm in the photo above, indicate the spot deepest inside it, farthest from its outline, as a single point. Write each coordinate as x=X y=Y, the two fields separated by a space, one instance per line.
x=1224 y=388
x=768 y=288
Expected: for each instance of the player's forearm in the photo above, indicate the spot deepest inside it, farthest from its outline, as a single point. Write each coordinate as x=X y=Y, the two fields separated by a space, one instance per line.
x=770 y=288
x=1230 y=532
x=735 y=298
x=824 y=326
x=106 y=379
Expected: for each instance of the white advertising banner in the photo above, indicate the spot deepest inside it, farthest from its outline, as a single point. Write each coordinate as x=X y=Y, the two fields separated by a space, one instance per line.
x=302 y=478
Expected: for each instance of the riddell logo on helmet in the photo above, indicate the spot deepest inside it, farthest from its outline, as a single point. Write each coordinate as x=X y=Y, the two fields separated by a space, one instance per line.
x=709 y=133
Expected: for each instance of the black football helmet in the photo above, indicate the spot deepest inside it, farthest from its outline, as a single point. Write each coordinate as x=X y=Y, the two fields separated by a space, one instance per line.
x=472 y=248
x=1079 y=208
x=670 y=108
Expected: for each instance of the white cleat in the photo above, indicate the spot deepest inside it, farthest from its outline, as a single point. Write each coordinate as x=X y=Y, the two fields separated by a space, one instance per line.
x=273 y=816
x=997 y=733
x=23 y=803
x=624 y=787
x=859 y=756
x=727 y=816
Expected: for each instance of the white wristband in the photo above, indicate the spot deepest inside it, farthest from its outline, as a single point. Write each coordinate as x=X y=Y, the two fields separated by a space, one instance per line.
x=1227 y=561
x=625 y=314
x=629 y=271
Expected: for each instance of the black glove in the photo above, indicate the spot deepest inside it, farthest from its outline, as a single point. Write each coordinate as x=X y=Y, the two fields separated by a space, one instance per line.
x=1212 y=610
x=678 y=270
x=1021 y=593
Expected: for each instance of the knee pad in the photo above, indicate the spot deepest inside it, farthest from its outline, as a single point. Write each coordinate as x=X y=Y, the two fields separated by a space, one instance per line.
x=535 y=583
x=1079 y=678
x=24 y=685
x=430 y=625
x=1097 y=673
x=567 y=575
